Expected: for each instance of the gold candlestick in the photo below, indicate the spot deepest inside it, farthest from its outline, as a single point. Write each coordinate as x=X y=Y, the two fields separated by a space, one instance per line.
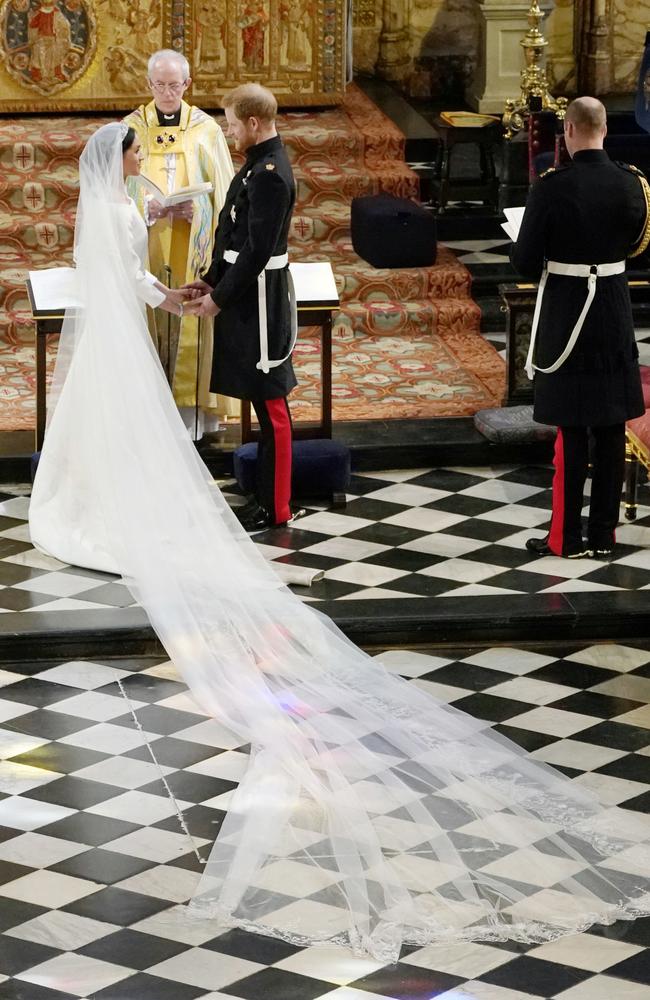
x=533 y=79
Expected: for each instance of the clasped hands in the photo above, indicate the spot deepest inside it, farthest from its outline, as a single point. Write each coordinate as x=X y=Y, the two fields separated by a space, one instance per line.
x=195 y=298
x=183 y=210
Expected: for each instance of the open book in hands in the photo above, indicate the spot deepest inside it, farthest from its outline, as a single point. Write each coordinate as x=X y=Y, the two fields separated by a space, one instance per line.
x=178 y=196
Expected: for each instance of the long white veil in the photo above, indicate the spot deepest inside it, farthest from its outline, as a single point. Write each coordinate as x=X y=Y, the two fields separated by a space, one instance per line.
x=369 y=814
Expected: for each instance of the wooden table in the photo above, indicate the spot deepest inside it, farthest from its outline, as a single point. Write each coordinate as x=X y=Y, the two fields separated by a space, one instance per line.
x=484 y=187
x=316 y=295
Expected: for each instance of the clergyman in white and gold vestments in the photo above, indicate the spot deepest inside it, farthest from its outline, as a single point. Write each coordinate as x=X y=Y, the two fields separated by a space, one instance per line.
x=182 y=146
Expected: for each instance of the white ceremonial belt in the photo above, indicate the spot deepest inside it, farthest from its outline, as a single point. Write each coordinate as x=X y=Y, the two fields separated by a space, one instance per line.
x=589 y=271
x=585 y=270
x=273 y=264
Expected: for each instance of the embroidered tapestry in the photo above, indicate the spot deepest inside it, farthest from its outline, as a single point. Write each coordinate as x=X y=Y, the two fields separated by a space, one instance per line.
x=91 y=55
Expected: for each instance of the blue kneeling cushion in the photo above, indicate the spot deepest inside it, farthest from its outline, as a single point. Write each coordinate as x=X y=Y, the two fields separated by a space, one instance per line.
x=320 y=467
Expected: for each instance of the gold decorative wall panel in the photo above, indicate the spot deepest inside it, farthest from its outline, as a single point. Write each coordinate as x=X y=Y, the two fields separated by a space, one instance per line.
x=296 y=47
x=91 y=55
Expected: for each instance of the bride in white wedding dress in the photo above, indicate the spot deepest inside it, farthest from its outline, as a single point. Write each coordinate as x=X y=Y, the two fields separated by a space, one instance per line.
x=369 y=814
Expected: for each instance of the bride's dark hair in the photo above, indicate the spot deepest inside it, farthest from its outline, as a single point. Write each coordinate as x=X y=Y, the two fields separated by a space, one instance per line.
x=127 y=141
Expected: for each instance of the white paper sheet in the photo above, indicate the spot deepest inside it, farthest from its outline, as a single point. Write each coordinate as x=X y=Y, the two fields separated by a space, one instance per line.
x=314 y=282
x=512 y=225
x=54 y=288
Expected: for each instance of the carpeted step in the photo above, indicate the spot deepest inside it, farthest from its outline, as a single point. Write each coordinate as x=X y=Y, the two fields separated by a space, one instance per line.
x=379 y=377
x=321 y=176
x=361 y=133
x=359 y=281
x=406 y=341
x=409 y=318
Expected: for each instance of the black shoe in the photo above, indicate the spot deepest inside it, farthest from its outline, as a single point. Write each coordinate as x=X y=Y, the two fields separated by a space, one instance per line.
x=259 y=519
x=540 y=547
x=246 y=509
x=254 y=517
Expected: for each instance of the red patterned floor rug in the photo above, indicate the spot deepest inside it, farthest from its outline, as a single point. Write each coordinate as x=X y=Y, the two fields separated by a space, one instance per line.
x=406 y=341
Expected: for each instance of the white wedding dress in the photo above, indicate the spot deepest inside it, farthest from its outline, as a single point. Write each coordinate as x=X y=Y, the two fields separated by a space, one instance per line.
x=369 y=814
x=64 y=520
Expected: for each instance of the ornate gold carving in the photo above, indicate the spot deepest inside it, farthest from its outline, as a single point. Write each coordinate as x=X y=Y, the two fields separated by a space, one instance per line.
x=363 y=13
x=47 y=44
x=534 y=83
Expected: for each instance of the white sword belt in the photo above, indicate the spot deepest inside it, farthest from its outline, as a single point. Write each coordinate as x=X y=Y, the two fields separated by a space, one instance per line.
x=272 y=264
x=589 y=271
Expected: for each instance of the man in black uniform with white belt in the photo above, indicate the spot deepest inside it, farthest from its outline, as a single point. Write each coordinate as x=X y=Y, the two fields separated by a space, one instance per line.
x=248 y=290
x=581 y=222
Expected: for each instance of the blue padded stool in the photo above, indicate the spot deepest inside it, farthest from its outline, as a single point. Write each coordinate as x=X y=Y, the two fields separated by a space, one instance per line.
x=321 y=467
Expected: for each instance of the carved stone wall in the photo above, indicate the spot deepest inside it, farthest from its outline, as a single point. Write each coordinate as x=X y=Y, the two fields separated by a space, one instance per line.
x=437 y=42
x=444 y=45
x=560 y=30
x=630 y=22
x=443 y=42
x=81 y=55
x=620 y=37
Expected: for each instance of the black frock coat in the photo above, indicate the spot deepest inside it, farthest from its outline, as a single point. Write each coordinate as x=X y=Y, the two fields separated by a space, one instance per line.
x=592 y=211
x=255 y=222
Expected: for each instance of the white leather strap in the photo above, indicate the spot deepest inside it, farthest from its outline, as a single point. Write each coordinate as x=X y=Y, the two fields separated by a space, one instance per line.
x=589 y=271
x=273 y=264
x=585 y=270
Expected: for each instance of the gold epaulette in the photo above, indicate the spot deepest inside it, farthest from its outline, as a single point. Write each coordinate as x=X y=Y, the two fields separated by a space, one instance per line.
x=644 y=239
x=549 y=170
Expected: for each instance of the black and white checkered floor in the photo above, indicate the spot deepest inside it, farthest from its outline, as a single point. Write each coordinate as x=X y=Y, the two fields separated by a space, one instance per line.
x=95 y=868
x=446 y=532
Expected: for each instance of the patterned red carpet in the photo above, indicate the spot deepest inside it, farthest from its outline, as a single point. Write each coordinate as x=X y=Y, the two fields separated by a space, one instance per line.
x=406 y=342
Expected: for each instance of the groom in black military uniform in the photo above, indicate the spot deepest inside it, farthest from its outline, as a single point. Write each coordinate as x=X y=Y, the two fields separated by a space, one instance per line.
x=581 y=223
x=247 y=289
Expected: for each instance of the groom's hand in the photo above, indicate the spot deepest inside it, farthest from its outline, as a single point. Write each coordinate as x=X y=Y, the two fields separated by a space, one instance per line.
x=204 y=306
x=196 y=289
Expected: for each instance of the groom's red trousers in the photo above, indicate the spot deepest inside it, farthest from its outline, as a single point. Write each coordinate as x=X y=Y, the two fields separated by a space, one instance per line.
x=273 y=474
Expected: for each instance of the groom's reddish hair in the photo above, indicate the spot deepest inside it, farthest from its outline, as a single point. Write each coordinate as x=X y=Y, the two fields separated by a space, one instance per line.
x=251 y=100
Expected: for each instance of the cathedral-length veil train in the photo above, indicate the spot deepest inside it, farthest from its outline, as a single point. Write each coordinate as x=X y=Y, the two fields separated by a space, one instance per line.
x=369 y=814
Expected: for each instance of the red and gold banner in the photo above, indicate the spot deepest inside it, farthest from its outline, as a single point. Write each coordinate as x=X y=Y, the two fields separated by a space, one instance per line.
x=91 y=55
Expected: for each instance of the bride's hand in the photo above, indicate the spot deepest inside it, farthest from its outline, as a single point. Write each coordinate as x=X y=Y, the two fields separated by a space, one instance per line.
x=156 y=210
x=191 y=308
x=177 y=295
